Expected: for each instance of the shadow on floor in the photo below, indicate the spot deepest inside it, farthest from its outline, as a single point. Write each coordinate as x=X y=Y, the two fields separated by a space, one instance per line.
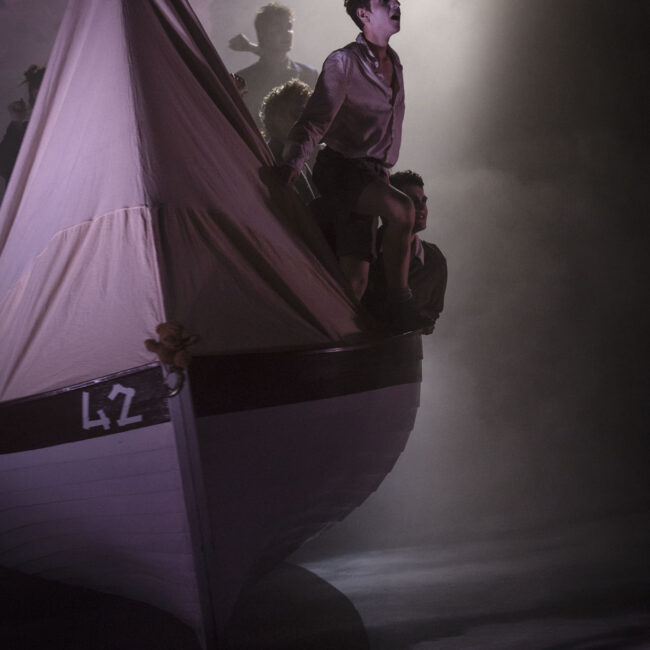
x=37 y=614
x=291 y=608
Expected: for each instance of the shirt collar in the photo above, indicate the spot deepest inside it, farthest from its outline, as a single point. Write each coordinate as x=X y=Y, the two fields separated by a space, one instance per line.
x=361 y=40
x=417 y=250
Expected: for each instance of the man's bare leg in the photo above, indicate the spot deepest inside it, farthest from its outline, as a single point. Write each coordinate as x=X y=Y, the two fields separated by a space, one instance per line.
x=397 y=213
x=356 y=272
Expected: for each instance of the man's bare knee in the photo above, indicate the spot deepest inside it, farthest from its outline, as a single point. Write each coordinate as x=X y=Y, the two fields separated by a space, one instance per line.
x=395 y=208
x=401 y=213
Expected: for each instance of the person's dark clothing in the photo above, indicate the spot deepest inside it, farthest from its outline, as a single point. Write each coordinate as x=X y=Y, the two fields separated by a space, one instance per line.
x=10 y=146
x=262 y=77
x=340 y=181
x=427 y=280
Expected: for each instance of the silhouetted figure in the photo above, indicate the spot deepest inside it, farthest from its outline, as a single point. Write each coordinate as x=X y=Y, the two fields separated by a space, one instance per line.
x=357 y=109
x=274 y=28
x=280 y=110
x=427 y=266
x=19 y=112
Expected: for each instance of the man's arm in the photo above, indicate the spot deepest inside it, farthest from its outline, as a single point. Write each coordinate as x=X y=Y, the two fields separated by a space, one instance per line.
x=324 y=104
x=437 y=267
x=241 y=43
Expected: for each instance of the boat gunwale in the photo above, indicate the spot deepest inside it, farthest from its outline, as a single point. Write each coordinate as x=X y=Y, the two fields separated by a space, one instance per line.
x=296 y=352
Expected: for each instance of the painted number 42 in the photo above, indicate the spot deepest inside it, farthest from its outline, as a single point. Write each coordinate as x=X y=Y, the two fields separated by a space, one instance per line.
x=102 y=420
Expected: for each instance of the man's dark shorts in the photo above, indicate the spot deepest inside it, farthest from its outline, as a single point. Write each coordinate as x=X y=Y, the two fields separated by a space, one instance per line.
x=340 y=181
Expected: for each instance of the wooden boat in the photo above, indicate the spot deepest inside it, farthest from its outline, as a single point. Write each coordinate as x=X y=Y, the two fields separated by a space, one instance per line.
x=292 y=412
x=184 y=502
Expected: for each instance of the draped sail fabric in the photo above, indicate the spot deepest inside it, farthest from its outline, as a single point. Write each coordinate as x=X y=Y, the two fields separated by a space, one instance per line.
x=143 y=193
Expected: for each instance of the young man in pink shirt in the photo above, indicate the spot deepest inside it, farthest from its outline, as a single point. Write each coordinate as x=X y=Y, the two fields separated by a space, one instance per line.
x=357 y=110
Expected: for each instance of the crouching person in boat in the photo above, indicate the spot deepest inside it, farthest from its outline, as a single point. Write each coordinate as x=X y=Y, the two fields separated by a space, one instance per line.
x=280 y=110
x=357 y=110
x=427 y=264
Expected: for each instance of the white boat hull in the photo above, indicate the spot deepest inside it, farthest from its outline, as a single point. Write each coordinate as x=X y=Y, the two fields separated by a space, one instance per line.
x=108 y=513
x=188 y=512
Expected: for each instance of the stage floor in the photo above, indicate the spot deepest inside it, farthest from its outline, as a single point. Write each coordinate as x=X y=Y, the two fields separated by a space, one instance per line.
x=584 y=586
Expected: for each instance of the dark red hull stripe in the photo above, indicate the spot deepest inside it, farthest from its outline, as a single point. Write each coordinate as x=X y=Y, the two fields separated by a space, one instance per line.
x=120 y=402
x=136 y=398
x=246 y=381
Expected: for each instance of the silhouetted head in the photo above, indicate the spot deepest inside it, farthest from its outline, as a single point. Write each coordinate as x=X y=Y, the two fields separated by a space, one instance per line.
x=412 y=185
x=274 y=28
x=282 y=107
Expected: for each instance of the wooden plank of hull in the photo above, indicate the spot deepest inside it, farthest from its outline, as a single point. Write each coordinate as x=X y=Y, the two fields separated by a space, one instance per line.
x=290 y=442
x=277 y=476
x=265 y=451
x=108 y=512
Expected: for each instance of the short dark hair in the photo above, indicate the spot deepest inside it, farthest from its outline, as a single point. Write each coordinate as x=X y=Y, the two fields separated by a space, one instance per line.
x=351 y=7
x=408 y=177
x=268 y=12
x=279 y=102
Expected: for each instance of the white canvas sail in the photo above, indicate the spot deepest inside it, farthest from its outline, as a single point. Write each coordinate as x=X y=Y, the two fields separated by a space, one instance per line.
x=143 y=193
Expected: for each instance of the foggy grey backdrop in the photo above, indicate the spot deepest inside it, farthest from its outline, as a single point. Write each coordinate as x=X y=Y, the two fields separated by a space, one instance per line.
x=528 y=120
